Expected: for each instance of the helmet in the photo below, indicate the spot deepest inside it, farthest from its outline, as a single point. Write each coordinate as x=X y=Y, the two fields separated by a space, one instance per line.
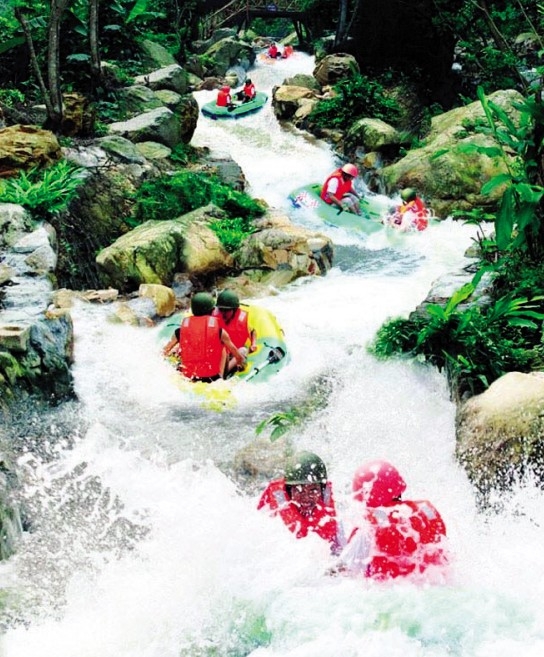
x=305 y=468
x=408 y=194
x=248 y=81
x=228 y=299
x=377 y=483
x=202 y=304
x=350 y=169
x=225 y=88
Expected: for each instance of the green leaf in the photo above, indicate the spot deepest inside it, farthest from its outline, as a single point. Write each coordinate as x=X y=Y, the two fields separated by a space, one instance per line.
x=11 y=43
x=495 y=182
x=139 y=8
x=522 y=323
x=471 y=148
x=460 y=295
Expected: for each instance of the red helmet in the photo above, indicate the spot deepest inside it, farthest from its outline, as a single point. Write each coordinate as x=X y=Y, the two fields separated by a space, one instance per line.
x=350 y=169
x=377 y=483
x=225 y=88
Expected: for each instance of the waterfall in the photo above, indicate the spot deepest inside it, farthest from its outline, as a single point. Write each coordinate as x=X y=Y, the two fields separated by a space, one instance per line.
x=142 y=545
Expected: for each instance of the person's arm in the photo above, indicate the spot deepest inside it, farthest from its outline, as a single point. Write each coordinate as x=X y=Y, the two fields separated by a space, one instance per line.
x=253 y=338
x=174 y=340
x=225 y=339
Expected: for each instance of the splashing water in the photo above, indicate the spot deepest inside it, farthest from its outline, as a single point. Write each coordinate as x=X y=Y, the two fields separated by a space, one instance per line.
x=141 y=545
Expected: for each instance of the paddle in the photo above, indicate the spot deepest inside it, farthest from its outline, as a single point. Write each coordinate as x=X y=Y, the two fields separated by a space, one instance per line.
x=274 y=356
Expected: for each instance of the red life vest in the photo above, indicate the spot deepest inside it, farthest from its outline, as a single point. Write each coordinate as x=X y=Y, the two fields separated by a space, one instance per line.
x=419 y=212
x=344 y=186
x=249 y=90
x=237 y=328
x=322 y=521
x=273 y=50
x=200 y=347
x=223 y=98
x=406 y=539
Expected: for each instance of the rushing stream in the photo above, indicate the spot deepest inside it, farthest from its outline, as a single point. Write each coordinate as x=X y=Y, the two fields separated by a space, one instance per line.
x=140 y=544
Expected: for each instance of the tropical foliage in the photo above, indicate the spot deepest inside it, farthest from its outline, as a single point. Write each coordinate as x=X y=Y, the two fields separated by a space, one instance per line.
x=475 y=344
x=175 y=195
x=44 y=191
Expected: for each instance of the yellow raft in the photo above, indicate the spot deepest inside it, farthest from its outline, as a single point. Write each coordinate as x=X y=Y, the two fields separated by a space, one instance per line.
x=270 y=356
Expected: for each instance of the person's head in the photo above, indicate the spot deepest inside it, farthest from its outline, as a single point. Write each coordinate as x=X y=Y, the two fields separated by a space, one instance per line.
x=248 y=81
x=408 y=194
x=377 y=483
x=305 y=480
x=202 y=303
x=228 y=303
x=225 y=88
x=349 y=171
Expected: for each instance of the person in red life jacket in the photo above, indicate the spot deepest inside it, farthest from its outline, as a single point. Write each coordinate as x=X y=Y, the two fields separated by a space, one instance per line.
x=234 y=320
x=273 y=51
x=248 y=92
x=287 y=51
x=304 y=501
x=338 y=189
x=395 y=537
x=202 y=344
x=224 y=99
x=411 y=214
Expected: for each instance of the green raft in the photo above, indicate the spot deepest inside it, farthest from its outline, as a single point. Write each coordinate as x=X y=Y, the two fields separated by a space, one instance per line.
x=213 y=111
x=373 y=207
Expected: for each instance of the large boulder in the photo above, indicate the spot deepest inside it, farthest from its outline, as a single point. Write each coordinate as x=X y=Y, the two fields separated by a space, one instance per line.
x=333 y=68
x=227 y=53
x=500 y=433
x=169 y=77
x=155 y=251
x=160 y=125
x=444 y=171
x=281 y=246
x=287 y=100
x=372 y=135
x=25 y=147
x=155 y=55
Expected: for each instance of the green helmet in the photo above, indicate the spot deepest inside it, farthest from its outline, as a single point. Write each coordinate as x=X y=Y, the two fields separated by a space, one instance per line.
x=202 y=304
x=305 y=468
x=408 y=194
x=228 y=299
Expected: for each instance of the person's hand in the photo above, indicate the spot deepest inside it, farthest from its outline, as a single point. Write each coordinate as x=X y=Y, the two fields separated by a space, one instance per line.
x=252 y=348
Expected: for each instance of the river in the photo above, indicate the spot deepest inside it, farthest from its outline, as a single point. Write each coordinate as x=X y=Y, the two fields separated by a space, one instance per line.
x=141 y=544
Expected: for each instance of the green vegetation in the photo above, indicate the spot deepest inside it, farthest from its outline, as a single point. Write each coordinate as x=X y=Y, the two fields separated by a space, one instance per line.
x=43 y=191
x=173 y=196
x=355 y=97
x=478 y=343
x=183 y=154
x=474 y=344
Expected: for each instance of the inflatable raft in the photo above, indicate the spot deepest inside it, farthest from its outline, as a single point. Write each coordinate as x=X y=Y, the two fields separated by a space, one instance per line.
x=213 y=111
x=373 y=208
x=269 y=358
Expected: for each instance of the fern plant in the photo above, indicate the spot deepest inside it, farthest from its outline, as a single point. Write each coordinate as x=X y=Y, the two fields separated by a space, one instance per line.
x=44 y=191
